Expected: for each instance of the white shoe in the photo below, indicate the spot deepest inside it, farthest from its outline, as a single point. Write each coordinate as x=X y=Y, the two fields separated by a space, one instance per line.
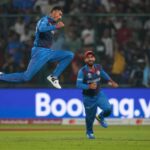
x=1 y=73
x=54 y=81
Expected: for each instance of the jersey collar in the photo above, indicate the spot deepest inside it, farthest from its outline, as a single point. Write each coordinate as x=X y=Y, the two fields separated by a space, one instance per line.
x=51 y=20
x=89 y=69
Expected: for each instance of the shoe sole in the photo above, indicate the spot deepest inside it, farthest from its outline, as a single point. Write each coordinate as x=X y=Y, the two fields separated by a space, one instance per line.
x=49 y=79
x=91 y=138
x=99 y=120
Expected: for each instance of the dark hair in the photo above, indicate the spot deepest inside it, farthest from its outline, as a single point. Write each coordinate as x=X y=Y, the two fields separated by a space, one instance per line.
x=56 y=8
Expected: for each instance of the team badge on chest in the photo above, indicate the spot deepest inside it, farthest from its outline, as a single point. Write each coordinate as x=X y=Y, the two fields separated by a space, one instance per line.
x=53 y=32
x=98 y=72
x=89 y=75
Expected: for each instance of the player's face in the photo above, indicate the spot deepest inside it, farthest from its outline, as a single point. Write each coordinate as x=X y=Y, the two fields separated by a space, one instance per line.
x=56 y=14
x=89 y=60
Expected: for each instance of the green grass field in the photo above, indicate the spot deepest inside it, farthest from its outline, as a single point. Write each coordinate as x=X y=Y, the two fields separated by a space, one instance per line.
x=60 y=137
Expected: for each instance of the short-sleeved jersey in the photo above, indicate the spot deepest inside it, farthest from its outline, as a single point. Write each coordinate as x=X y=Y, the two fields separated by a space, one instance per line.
x=86 y=76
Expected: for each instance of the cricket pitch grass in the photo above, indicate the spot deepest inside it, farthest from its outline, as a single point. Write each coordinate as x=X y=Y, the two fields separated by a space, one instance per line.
x=71 y=137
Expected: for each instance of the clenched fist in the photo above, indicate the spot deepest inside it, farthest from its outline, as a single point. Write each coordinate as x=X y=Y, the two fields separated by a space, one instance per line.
x=92 y=86
x=60 y=25
x=113 y=84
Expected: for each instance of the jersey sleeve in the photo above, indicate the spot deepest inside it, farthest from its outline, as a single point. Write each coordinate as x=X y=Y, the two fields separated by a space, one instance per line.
x=80 y=83
x=104 y=75
x=44 y=26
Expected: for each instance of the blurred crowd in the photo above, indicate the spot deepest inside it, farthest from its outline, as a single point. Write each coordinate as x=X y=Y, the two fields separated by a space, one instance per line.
x=121 y=43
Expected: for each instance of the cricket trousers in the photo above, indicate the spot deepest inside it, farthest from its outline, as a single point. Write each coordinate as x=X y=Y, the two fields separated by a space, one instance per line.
x=91 y=103
x=39 y=57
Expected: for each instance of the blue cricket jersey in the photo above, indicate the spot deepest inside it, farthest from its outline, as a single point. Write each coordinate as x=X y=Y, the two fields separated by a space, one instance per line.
x=85 y=77
x=44 y=32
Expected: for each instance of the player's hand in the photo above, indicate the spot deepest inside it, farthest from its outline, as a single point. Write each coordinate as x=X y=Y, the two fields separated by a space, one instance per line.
x=113 y=84
x=92 y=86
x=60 y=25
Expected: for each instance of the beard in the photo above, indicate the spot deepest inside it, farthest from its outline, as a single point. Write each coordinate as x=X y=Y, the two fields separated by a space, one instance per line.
x=90 y=63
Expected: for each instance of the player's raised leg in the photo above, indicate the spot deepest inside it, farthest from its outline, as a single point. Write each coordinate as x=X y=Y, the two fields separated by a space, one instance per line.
x=64 y=58
x=104 y=104
x=39 y=57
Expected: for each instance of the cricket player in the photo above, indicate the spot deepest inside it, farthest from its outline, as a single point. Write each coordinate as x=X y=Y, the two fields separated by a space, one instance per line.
x=42 y=52
x=88 y=79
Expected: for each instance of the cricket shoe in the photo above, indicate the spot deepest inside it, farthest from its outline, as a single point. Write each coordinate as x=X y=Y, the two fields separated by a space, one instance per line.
x=54 y=81
x=102 y=121
x=90 y=136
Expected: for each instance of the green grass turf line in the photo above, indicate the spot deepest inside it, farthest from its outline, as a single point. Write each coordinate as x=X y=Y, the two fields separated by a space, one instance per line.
x=73 y=138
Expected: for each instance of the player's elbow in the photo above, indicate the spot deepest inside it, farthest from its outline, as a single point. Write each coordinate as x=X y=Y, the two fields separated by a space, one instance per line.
x=26 y=79
x=41 y=29
x=78 y=85
x=107 y=111
x=70 y=55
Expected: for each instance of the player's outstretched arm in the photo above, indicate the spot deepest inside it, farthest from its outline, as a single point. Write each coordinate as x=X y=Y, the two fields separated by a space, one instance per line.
x=108 y=78
x=44 y=26
x=113 y=84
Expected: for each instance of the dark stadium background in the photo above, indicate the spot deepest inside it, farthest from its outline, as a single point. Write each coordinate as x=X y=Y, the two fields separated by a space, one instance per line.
x=118 y=31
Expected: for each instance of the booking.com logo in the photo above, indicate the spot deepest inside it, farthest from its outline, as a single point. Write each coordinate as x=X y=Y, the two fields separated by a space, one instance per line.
x=58 y=107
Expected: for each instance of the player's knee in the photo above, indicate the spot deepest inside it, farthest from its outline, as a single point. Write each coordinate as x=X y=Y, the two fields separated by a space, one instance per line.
x=107 y=111
x=26 y=78
x=70 y=55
